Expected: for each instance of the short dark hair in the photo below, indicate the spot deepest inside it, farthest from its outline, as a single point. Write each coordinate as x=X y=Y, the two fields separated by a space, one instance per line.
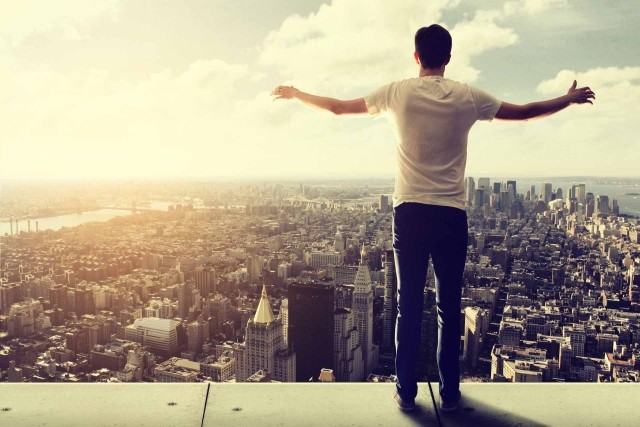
x=433 y=44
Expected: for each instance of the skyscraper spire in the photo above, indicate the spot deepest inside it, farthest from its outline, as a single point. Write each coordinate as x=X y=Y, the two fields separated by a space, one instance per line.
x=362 y=281
x=362 y=307
x=264 y=314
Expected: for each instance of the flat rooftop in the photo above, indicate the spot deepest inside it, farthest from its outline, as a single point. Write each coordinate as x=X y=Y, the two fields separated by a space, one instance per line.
x=313 y=404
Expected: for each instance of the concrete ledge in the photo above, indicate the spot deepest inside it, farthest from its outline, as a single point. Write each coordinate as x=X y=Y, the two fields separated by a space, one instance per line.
x=302 y=404
x=306 y=404
x=95 y=404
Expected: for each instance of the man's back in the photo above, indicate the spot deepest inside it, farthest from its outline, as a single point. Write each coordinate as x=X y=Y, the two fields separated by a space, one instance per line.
x=431 y=117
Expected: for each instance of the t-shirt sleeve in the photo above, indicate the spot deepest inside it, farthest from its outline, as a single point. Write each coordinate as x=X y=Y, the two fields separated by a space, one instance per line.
x=486 y=105
x=379 y=100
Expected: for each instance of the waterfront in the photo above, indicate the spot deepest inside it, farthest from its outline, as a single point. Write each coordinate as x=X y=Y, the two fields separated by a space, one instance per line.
x=72 y=220
x=59 y=221
x=624 y=194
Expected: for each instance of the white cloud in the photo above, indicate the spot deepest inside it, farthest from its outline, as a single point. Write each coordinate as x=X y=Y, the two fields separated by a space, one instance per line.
x=474 y=37
x=350 y=43
x=598 y=139
x=87 y=113
x=87 y=123
x=19 y=19
x=536 y=6
x=597 y=77
x=193 y=121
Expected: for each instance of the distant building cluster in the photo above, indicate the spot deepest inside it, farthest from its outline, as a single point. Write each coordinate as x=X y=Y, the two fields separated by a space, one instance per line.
x=566 y=304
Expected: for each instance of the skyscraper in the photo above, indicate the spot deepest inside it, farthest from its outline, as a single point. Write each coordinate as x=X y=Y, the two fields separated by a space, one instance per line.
x=84 y=301
x=497 y=187
x=57 y=294
x=581 y=193
x=264 y=347
x=205 y=278
x=348 y=362
x=384 y=203
x=478 y=200
x=590 y=202
x=339 y=244
x=390 y=307
x=184 y=299
x=311 y=324
x=476 y=323
x=615 y=208
x=197 y=332
x=505 y=201
x=547 y=191
x=484 y=183
x=363 y=311
x=602 y=205
x=515 y=189
x=221 y=310
x=284 y=315
x=470 y=190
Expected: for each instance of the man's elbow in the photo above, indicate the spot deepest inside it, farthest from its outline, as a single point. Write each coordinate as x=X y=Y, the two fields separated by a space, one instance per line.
x=351 y=107
x=528 y=112
x=336 y=109
x=515 y=112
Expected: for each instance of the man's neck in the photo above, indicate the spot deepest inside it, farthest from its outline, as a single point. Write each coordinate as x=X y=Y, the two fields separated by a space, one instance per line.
x=424 y=72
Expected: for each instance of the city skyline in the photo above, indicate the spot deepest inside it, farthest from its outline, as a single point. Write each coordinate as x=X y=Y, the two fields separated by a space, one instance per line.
x=268 y=282
x=110 y=90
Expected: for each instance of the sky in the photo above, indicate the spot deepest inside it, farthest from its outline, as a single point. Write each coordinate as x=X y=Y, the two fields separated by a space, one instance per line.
x=180 y=89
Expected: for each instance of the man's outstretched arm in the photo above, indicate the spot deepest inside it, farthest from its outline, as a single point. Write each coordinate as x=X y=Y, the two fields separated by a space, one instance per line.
x=581 y=95
x=335 y=106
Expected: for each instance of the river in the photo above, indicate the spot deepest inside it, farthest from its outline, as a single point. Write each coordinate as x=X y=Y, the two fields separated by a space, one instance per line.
x=69 y=220
x=629 y=204
x=75 y=219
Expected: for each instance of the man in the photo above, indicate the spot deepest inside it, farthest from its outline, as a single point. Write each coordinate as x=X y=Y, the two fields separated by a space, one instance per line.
x=431 y=116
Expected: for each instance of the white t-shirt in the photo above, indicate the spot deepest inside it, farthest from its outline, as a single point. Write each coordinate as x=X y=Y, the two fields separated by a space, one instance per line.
x=431 y=117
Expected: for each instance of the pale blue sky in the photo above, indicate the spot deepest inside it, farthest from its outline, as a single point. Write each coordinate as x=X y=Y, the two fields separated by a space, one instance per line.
x=180 y=88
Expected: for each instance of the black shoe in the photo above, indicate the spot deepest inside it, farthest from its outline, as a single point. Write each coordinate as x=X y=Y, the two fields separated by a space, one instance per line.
x=404 y=405
x=450 y=405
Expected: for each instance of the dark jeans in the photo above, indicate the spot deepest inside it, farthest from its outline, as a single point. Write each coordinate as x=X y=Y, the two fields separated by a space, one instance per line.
x=420 y=231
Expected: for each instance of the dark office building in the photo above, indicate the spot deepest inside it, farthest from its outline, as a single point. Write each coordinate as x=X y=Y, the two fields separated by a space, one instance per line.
x=496 y=187
x=311 y=307
x=84 y=301
x=58 y=297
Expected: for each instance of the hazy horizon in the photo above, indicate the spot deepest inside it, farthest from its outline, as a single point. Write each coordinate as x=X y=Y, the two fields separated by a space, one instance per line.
x=293 y=178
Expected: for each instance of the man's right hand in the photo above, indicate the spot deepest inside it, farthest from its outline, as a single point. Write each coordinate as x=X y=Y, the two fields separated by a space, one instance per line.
x=335 y=106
